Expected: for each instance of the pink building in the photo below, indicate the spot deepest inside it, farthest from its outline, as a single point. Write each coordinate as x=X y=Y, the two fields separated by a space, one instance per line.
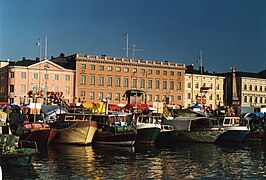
x=19 y=78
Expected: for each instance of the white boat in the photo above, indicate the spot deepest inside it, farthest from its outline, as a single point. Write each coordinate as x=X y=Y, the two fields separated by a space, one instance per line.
x=234 y=130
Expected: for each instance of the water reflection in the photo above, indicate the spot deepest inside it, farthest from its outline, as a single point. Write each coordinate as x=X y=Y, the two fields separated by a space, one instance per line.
x=181 y=161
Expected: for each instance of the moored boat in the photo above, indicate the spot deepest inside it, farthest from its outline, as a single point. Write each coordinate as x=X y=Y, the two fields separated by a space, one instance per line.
x=196 y=129
x=148 y=129
x=74 y=128
x=11 y=154
x=234 y=130
x=115 y=128
x=167 y=135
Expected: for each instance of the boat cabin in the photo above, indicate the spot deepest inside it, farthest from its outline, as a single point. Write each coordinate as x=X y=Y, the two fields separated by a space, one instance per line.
x=231 y=121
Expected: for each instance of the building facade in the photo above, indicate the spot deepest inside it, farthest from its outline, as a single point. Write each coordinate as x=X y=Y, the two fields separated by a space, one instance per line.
x=99 y=77
x=21 y=77
x=203 y=88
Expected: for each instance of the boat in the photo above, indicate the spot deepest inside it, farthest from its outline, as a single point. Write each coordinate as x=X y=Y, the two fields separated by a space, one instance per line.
x=115 y=128
x=167 y=135
x=74 y=128
x=256 y=124
x=11 y=154
x=234 y=130
x=196 y=129
x=148 y=128
x=38 y=131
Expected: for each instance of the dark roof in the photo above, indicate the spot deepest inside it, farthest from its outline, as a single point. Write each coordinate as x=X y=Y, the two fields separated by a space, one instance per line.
x=246 y=74
x=23 y=63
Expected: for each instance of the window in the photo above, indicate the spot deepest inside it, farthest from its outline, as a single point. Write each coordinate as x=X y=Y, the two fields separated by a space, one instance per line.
x=189 y=95
x=250 y=87
x=142 y=83
x=172 y=73
x=149 y=83
x=92 y=80
x=46 y=76
x=92 y=95
x=179 y=85
x=11 y=87
x=172 y=85
x=23 y=88
x=67 y=90
x=157 y=72
x=92 y=67
x=245 y=87
x=82 y=93
x=100 y=95
x=260 y=99
x=134 y=70
x=110 y=68
x=12 y=75
x=164 y=72
x=260 y=88
x=256 y=99
x=245 y=99
x=109 y=83
x=101 y=68
x=56 y=77
x=179 y=73
x=35 y=76
x=157 y=98
x=250 y=99
x=56 y=88
x=218 y=86
x=23 y=75
x=149 y=97
x=134 y=83
x=83 y=79
x=126 y=69
x=68 y=77
x=178 y=97
x=118 y=82
x=157 y=84
x=83 y=66
x=171 y=98
x=142 y=71
x=149 y=71
x=196 y=85
x=118 y=69
x=101 y=81
x=164 y=84
x=117 y=96
x=256 y=87
x=210 y=97
x=125 y=82
x=211 y=86
x=217 y=96
x=109 y=95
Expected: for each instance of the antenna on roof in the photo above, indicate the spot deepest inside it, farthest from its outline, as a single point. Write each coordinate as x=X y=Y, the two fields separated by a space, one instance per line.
x=126 y=34
x=134 y=49
x=45 y=50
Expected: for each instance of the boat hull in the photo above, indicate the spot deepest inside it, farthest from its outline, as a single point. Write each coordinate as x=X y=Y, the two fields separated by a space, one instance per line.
x=204 y=136
x=125 y=138
x=166 y=137
x=20 y=158
x=75 y=132
x=234 y=134
x=40 y=136
x=147 y=133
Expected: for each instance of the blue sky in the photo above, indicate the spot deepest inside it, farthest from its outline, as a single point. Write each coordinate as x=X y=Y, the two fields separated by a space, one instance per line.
x=229 y=32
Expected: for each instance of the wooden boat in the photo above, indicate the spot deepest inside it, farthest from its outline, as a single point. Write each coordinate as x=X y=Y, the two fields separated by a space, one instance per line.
x=234 y=130
x=12 y=155
x=74 y=128
x=116 y=128
x=196 y=129
x=148 y=129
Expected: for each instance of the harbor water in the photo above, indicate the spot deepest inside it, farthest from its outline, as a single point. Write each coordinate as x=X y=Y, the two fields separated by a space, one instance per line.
x=181 y=161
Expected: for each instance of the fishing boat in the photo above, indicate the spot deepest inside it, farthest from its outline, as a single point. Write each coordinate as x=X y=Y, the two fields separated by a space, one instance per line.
x=74 y=128
x=115 y=128
x=11 y=154
x=234 y=130
x=148 y=128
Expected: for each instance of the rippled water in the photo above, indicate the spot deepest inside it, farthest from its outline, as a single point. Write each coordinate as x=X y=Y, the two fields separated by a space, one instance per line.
x=182 y=161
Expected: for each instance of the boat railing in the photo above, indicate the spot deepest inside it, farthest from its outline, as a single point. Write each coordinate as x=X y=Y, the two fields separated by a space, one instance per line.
x=74 y=117
x=28 y=144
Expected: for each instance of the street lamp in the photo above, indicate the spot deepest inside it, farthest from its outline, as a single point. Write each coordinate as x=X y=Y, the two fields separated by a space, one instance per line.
x=46 y=67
